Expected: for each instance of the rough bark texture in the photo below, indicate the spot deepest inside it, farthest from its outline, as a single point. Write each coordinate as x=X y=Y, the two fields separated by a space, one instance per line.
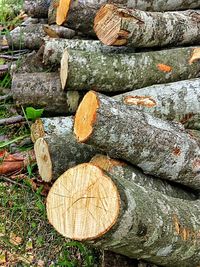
x=128 y=172
x=101 y=72
x=65 y=152
x=158 y=147
x=32 y=36
x=177 y=101
x=37 y=8
x=122 y=26
x=54 y=48
x=81 y=15
x=43 y=90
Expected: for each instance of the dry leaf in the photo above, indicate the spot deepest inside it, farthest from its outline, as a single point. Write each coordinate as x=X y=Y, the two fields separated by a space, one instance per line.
x=15 y=240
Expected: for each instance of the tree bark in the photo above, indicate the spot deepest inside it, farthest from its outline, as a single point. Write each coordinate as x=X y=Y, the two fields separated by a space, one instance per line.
x=177 y=101
x=32 y=36
x=128 y=172
x=158 y=147
x=37 y=8
x=125 y=217
x=112 y=73
x=43 y=90
x=54 y=48
x=115 y=25
x=81 y=15
x=57 y=149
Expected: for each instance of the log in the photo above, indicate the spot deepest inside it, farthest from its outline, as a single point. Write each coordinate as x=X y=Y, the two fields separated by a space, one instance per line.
x=54 y=48
x=160 y=148
x=36 y=8
x=82 y=13
x=125 y=217
x=178 y=101
x=115 y=25
x=124 y=72
x=135 y=175
x=43 y=90
x=32 y=36
x=57 y=149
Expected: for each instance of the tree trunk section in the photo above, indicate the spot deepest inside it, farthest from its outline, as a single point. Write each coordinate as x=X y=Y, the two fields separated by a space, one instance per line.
x=177 y=101
x=135 y=175
x=43 y=90
x=82 y=70
x=31 y=36
x=123 y=26
x=160 y=148
x=54 y=48
x=125 y=217
x=37 y=8
x=57 y=150
x=82 y=13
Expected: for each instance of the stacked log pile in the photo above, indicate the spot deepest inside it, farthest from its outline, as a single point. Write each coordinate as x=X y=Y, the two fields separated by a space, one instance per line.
x=127 y=165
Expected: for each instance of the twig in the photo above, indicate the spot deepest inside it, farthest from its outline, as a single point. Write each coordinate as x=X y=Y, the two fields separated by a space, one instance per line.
x=10 y=181
x=5 y=97
x=11 y=120
x=9 y=57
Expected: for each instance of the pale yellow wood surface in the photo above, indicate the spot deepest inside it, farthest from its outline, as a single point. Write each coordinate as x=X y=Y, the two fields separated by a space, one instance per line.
x=62 y=10
x=83 y=203
x=37 y=130
x=64 y=68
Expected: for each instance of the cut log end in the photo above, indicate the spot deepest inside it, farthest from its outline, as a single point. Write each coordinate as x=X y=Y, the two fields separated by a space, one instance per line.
x=37 y=130
x=62 y=11
x=86 y=116
x=83 y=203
x=107 y=24
x=43 y=159
x=64 y=68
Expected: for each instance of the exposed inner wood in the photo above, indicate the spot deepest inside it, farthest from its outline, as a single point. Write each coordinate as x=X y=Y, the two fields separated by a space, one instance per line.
x=83 y=203
x=64 y=68
x=43 y=159
x=86 y=116
x=37 y=130
x=107 y=25
x=62 y=11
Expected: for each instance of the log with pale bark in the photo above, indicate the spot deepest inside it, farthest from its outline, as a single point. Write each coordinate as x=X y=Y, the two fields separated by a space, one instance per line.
x=43 y=90
x=160 y=148
x=32 y=36
x=56 y=148
x=81 y=14
x=36 y=8
x=124 y=217
x=178 y=101
x=54 y=48
x=115 y=25
x=124 y=72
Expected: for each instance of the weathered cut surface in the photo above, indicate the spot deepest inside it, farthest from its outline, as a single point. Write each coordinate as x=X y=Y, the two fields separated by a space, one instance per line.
x=160 y=148
x=135 y=175
x=43 y=90
x=57 y=149
x=179 y=101
x=32 y=36
x=36 y=8
x=124 y=217
x=124 y=72
x=115 y=25
x=54 y=48
x=82 y=13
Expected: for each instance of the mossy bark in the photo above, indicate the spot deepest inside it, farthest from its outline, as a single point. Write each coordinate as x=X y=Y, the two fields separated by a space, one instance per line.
x=125 y=72
x=177 y=101
x=43 y=90
x=37 y=8
x=158 y=147
x=54 y=48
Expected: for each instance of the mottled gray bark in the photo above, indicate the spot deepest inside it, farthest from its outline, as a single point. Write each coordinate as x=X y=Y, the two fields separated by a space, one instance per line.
x=54 y=48
x=138 y=28
x=82 y=13
x=43 y=90
x=179 y=101
x=65 y=152
x=36 y=8
x=154 y=227
x=128 y=172
x=32 y=36
x=160 y=148
x=125 y=72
